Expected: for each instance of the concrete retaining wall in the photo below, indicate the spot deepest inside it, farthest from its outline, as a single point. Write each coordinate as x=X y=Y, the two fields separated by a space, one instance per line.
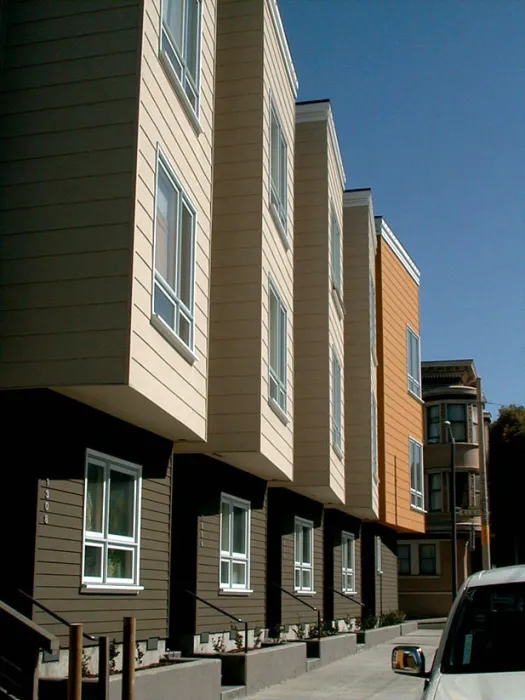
x=330 y=649
x=408 y=627
x=379 y=635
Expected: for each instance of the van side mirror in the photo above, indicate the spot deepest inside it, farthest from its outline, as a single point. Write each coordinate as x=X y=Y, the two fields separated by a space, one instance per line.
x=409 y=661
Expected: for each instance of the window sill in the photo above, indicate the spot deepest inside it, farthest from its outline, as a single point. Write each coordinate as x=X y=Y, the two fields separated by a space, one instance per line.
x=163 y=328
x=235 y=591
x=279 y=225
x=338 y=301
x=305 y=594
x=109 y=588
x=186 y=104
x=349 y=593
x=338 y=451
x=416 y=397
x=418 y=510
x=278 y=411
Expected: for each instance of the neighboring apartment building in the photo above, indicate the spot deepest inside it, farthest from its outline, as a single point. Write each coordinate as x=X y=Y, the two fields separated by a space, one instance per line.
x=107 y=113
x=425 y=563
x=400 y=425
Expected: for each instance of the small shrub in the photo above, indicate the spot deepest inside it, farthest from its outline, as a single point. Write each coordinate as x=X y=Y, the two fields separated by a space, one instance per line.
x=86 y=673
x=114 y=653
x=257 y=638
x=219 y=646
x=300 y=631
x=139 y=654
x=392 y=617
x=238 y=638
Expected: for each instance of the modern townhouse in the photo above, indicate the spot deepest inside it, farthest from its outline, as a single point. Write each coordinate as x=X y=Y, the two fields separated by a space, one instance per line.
x=221 y=501
x=107 y=113
x=425 y=562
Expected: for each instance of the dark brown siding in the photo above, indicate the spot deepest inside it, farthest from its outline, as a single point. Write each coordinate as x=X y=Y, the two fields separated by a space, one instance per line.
x=283 y=507
x=336 y=607
x=63 y=429
x=198 y=484
x=386 y=585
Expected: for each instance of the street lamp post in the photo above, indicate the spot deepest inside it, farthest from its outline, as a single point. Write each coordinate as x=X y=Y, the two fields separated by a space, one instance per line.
x=453 y=509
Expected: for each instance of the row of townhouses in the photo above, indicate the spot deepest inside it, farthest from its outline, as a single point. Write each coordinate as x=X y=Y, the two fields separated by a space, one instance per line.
x=210 y=346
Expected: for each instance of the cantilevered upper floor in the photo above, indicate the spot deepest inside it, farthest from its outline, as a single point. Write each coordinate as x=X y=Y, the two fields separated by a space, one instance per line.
x=400 y=418
x=107 y=112
x=251 y=378
x=319 y=457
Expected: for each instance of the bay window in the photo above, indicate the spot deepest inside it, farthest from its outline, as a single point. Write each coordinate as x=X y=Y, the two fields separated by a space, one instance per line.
x=457 y=415
x=416 y=474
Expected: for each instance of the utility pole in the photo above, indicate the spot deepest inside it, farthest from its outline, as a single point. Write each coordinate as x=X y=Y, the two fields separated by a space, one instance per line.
x=485 y=524
x=453 y=515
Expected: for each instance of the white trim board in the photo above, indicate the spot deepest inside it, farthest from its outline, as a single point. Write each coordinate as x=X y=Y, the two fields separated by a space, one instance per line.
x=384 y=230
x=322 y=111
x=284 y=46
x=358 y=198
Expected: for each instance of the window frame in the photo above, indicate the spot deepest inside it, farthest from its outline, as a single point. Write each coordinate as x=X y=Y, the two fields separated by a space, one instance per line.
x=373 y=318
x=104 y=540
x=158 y=281
x=336 y=252
x=229 y=556
x=429 y=422
x=279 y=191
x=409 y=548
x=337 y=404
x=281 y=383
x=415 y=557
x=453 y=423
x=474 y=417
x=431 y=491
x=168 y=45
x=415 y=493
x=299 y=564
x=348 y=540
x=413 y=343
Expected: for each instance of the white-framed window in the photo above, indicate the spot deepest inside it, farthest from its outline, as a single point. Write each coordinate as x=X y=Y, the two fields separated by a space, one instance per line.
x=112 y=508
x=435 y=492
x=418 y=558
x=475 y=425
x=413 y=362
x=337 y=252
x=416 y=474
x=180 y=45
x=433 y=424
x=375 y=454
x=379 y=554
x=457 y=415
x=278 y=344
x=278 y=170
x=337 y=404
x=348 y=554
x=235 y=544
x=304 y=555
x=373 y=316
x=174 y=286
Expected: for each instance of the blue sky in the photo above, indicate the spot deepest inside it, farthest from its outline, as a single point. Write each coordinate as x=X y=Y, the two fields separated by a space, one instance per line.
x=429 y=103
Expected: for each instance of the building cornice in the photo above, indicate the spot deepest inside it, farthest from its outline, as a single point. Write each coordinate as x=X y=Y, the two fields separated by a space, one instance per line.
x=357 y=198
x=284 y=46
x=385 y=232
x=322 y=111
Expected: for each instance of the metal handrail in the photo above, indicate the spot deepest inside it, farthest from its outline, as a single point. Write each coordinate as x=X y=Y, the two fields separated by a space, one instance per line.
x=348 y=597
x=226 y=613
x=304 y=602
x=54 y=614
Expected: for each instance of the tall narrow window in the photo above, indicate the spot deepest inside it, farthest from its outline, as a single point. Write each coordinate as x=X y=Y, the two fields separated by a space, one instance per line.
x=180 y=44
x=475 y=425
x=337 y=257
x=278 y=170
x=457 y=415
x=304 y=555
x=433 y=424
x=375 y=458
x=435 y=493
x=416 y=474
x=235 y=543
x=427 y=560
x=373 y=312
x=404 y=559
x=337 y=403
x=111 y=522
x=173 y=300
x=278 y=344
x=348 y=554
x=414 y=362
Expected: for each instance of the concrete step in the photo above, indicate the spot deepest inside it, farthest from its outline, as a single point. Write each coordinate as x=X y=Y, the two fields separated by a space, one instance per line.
x=361 y=647
x=312 y=664
x=233 y=692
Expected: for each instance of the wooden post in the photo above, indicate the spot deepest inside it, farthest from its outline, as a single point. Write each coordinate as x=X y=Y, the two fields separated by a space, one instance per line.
x=128 y=659
x=103 y=668
x=74 y=683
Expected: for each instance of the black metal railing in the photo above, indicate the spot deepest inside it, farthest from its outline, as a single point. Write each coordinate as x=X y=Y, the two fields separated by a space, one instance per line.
x=354 y=600
x=304 y=602
x=226 y=614
x=57 y=617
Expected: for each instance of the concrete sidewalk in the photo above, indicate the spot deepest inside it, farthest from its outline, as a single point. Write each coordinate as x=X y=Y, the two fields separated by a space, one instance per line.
x=363 y=676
